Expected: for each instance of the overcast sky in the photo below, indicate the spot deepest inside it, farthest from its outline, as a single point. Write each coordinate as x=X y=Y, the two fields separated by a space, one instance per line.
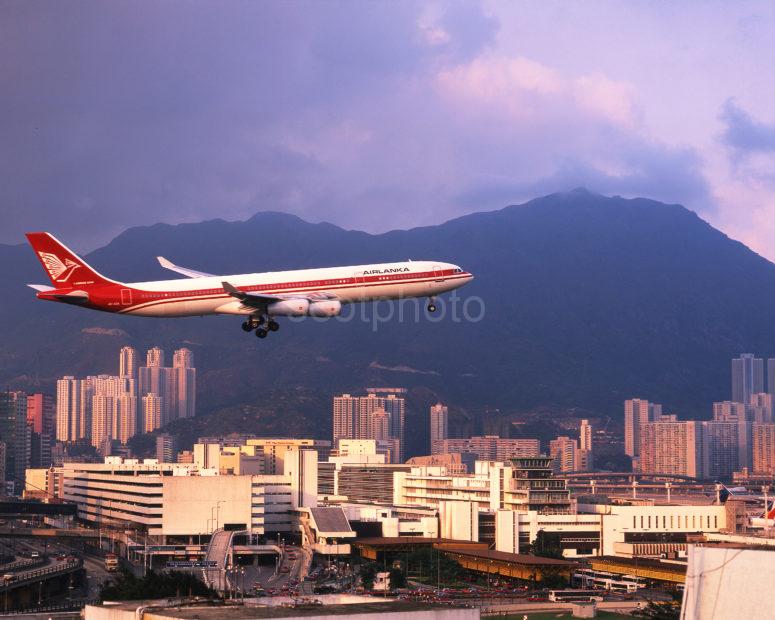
x=379 y=115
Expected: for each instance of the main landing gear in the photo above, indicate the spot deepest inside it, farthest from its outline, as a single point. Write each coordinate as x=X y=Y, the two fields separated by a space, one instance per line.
x=431 y=304
x=262 y=324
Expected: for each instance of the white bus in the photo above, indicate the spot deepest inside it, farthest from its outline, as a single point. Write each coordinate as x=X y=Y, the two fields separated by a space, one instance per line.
x=589 y=578
x=574 y=596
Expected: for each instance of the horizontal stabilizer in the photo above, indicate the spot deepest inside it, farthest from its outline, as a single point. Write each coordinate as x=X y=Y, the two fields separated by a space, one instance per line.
x=189 y=273
x=41 y=288
x=74 y=296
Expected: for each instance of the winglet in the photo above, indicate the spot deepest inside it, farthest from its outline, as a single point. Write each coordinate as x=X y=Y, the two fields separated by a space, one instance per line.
x=189 y=273
x=165 y=263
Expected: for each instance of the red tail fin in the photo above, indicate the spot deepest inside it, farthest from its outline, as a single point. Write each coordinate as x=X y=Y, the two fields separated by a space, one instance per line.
x=65 y=268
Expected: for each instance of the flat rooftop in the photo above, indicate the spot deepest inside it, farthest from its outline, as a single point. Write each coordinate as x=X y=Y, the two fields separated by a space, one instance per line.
x=387 y=541
x=509 y=558
x=676 y=566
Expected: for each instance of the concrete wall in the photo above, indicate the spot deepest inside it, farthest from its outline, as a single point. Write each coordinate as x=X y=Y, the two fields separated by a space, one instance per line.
x=728 y=583
x=459 y=520
x=189 y=502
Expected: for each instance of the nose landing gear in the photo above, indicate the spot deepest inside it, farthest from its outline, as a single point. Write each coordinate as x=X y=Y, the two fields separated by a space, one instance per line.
x=431 y=304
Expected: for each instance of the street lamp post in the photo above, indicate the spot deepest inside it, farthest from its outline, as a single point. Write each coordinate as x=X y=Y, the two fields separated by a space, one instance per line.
x=218 y=512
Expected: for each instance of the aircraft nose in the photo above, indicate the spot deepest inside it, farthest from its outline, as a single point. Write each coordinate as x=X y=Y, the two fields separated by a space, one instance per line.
x=468 y=275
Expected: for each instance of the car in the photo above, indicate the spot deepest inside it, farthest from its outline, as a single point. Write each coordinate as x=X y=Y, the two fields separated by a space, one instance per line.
x=35 y=555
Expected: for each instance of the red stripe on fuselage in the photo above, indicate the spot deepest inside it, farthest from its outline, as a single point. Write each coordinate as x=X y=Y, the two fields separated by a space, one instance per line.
x=282 y=288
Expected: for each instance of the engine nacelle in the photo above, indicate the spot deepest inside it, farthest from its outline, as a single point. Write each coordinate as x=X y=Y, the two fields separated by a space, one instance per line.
x=325 y=308
x=289 y=307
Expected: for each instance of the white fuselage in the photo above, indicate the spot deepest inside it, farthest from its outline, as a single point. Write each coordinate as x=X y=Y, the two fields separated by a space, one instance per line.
x=206 y=295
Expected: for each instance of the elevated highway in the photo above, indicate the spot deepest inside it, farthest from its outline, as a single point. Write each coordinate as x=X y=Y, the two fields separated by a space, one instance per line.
x=29 y=588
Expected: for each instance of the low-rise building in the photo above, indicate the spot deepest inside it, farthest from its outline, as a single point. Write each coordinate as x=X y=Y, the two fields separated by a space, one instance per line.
x=521 y=484
x=172 y=499
x=604 y=529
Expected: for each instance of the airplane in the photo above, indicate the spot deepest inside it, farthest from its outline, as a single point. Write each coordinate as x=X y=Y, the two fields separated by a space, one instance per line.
x=259 y=297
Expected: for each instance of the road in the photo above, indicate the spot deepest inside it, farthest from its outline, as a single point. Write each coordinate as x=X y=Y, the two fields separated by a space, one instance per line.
x=95 y=567
x=217 y=552
x=290 y=568
x=548 y=607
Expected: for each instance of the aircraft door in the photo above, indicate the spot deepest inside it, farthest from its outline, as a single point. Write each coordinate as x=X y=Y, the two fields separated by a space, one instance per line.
x=359 y=292
x=126 y=297
x=435 y=284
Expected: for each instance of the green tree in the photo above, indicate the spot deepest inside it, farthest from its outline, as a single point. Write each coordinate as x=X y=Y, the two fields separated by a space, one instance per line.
x=397 y=578
x=554 y=581
x=126 y=587
x=368 y=572
x=547 y=545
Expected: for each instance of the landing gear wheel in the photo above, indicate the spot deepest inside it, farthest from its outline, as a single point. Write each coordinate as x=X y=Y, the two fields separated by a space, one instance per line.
x=274 y=326
x=248 y=326
x=431 y=307
x=261 y=332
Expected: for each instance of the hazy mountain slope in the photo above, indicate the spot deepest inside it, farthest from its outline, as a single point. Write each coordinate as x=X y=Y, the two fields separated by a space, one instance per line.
x=588 y=299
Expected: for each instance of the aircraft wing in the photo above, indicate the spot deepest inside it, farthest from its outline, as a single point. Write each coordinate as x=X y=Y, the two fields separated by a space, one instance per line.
x=257 y=300
x=189 y=273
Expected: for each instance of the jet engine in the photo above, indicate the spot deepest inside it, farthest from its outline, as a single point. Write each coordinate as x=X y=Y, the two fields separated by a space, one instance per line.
x=288 y=307
x=325 y=308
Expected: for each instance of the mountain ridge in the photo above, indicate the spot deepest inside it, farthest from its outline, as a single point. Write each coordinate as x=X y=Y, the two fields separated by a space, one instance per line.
x=588 y=300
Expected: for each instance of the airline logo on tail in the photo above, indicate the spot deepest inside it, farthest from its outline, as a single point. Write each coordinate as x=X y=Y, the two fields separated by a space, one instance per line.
x=60 y=271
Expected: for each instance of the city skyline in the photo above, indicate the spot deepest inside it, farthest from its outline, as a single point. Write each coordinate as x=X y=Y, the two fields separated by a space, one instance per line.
x=139 y=399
